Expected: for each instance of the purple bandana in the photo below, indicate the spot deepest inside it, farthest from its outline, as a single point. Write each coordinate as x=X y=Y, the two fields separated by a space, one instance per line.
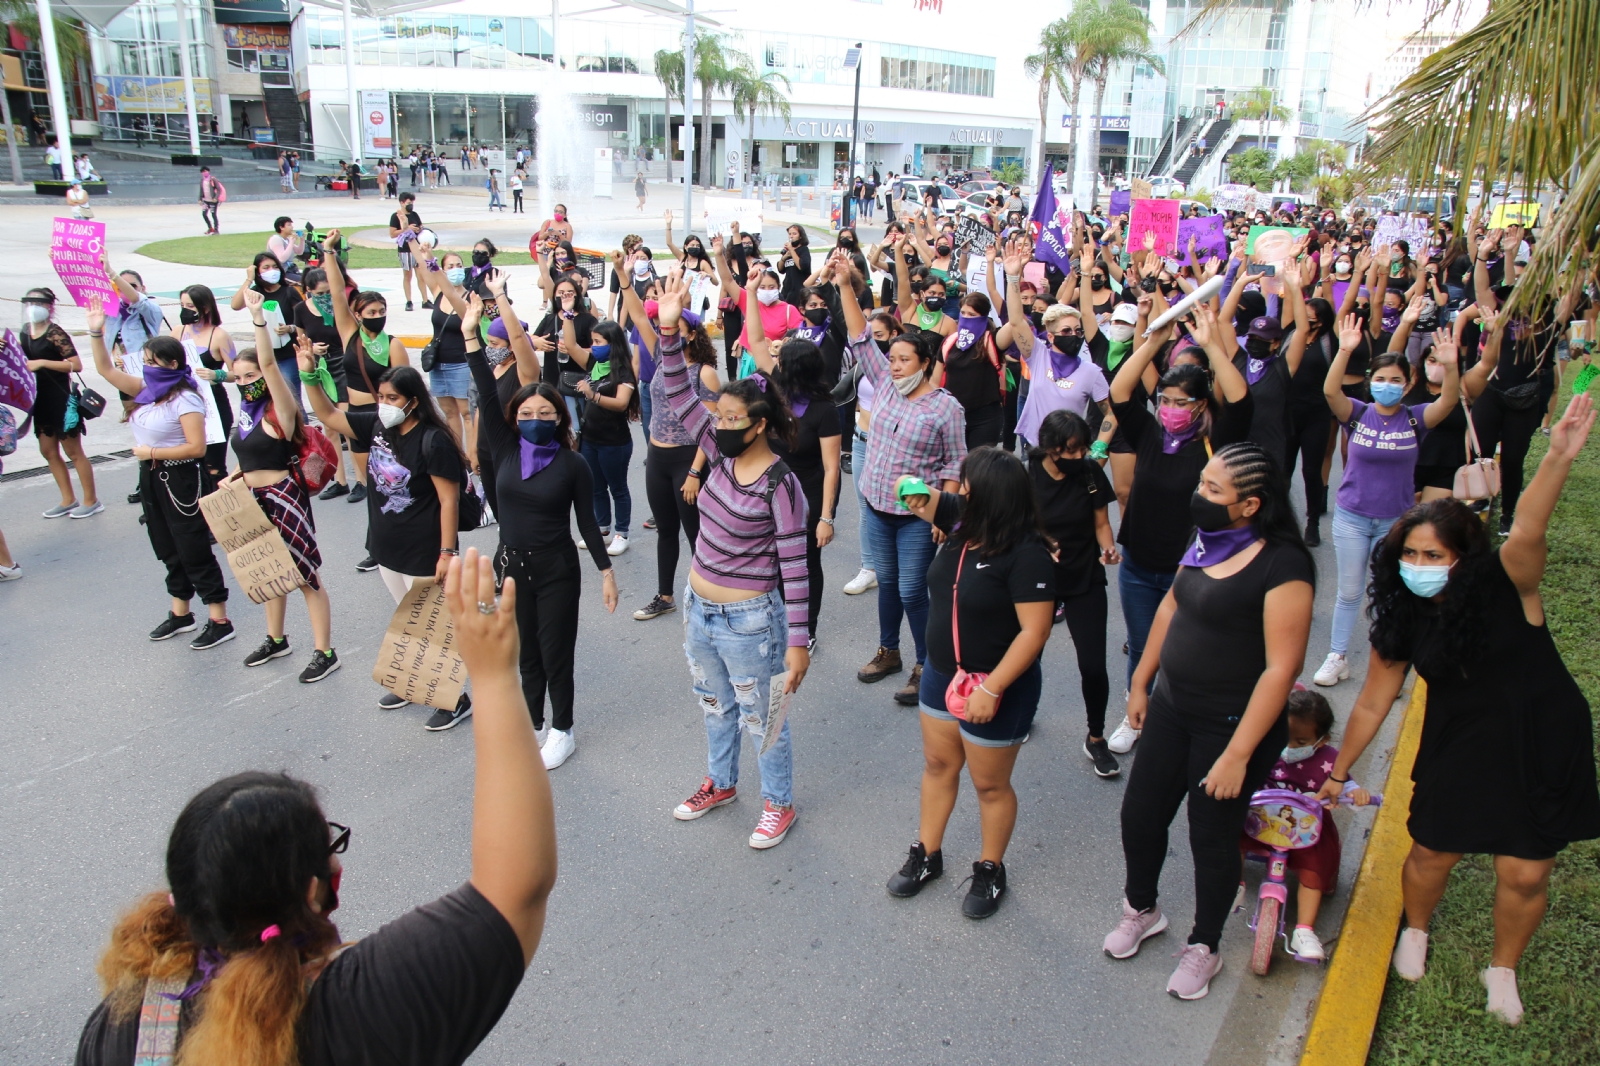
x=535 y=457
x=1256 y=369
x=159 y=380
x=1064 y=366
x=1391 y=319
x=1171 y=442
x=1209 y=549
x=209 y=961
x=250 y=412
x=969 y=330
x=814 y=334
x=800 y=406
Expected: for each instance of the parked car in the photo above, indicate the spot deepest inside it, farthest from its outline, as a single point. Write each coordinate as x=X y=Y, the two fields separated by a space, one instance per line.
x=1166 y=186
x=915 y=188
x=1195 y=207
x=1442 y=205
x=967 y=187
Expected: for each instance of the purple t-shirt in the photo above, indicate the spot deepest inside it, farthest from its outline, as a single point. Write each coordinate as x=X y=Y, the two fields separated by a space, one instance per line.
x=1383 y=456
x=1073 y=393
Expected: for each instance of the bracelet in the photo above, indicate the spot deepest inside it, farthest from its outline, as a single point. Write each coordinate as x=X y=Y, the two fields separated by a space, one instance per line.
x=449 y=551
x=1013 y=279
x=985 y=688
x=1339 y=780
x=102 y=333
x=829 y=521
x=259 y=325
x=697 y=474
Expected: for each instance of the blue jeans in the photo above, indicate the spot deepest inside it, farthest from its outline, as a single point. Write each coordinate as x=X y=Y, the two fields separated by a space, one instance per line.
x=734 y=649
x=645 y=407
x=902 y=548
x=1354 y=537
x=1141 y=592
x=608 y=464
x=291 y=374
x=858 y=465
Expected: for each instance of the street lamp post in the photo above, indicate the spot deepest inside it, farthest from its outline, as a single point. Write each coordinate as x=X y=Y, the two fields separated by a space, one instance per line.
x=852 y=58
x=688 y=116
x=60 y=117
x=186 y=65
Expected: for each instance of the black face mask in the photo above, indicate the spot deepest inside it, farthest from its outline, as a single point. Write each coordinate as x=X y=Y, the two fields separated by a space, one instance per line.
x=375 y=324
x=942 y=249
x=188 y=316
x=883 y=345
x=1209 y=517
x=1097 y=284
x=1258 y=347
x=731 y=442
x=816 y=315
x=1037 y=318
x=933 y=301
x=1067 y=343
x=480 y=259
x=847 y=243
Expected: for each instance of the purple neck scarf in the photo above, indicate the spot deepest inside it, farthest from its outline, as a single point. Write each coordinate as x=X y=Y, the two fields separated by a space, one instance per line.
x=159 y=380
x=1256 y=369
x=1171 y=442
x=800 y=406
x=209 y=961
x=814 y=334
x=251 y=412
x=1064 y=366
x=969 y=329
x=1209 y=549
x=535 y=457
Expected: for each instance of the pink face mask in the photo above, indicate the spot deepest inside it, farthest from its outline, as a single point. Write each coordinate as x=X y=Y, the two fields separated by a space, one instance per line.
x=1175 y=419
x=652 y=309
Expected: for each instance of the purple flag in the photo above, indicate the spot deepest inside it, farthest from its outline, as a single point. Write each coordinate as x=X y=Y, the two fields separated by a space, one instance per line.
x=1209 y=239
x=1121 y=202
x=1050 y=227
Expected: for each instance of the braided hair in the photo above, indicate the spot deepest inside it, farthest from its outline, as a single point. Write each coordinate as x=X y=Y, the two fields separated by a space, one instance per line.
x=1255 y=472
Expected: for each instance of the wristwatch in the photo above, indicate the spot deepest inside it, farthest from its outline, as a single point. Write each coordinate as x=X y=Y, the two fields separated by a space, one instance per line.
x=829 y=521
x=698 y=475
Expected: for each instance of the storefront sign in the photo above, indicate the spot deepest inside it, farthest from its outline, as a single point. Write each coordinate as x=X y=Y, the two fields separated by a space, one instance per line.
x=974 y=136
x=603 y=116
x=118 y=92
x=1107 y=122
x=251 y=11
x=257 y=37
x=877 y=131
x=377 y=125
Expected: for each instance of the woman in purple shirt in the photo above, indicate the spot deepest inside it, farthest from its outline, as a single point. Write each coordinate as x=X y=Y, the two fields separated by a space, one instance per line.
x=1376 y=488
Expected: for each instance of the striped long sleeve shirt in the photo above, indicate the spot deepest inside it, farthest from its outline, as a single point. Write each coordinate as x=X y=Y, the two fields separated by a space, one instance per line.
x=745 y=541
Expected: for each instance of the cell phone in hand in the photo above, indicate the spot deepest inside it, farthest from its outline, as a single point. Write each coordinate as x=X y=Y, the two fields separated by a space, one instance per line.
x=1264 y=269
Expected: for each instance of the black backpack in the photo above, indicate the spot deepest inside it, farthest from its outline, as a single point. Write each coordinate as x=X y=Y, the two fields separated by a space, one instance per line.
x=469 y=506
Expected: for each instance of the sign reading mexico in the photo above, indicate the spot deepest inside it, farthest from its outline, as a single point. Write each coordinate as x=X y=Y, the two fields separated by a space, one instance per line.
x=375 y=126
x=76 y=246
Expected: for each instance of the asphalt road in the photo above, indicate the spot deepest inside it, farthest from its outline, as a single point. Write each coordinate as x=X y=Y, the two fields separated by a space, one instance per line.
x=667 y=942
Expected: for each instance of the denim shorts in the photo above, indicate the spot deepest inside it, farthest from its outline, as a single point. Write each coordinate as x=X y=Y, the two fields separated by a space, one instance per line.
x=450 y=379
x=1011 y=722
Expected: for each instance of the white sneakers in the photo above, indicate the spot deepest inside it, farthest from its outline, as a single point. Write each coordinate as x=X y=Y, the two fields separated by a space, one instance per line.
x=1334 y=669
x=11 y=573
x=1411 y=954
x=864 y=580
x=1305 y=944
x=1122 y=738
x=1501 y=981
x=618 y=545
x=558 y=748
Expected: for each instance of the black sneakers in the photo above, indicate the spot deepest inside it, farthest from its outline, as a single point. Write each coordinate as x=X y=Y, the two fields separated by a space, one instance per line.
x=270 y=649
x=654 y=609
x=1105 y=763
x=367 y=565
x=213 y=634
x=409 y=307
x=174 y=625
x=322 y=664
x=390 y=702
x=334 y=491
x=358 y=492
x=988 y=885
x=443 y=720
x=1313 y=534
x=919 y=869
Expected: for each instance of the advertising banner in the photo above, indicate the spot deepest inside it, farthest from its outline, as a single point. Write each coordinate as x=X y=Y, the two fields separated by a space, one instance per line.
x=164 y=96
x=377 y=123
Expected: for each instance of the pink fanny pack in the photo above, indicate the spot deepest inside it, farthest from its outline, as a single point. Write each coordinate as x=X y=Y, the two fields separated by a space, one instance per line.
x=963 y=684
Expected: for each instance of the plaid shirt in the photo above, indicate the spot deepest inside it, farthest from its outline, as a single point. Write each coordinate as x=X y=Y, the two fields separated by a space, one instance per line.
x=926 y=436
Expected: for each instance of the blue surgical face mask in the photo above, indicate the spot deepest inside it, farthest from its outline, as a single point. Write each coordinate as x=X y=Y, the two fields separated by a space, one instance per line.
x=600 y=352
x=537 y=431
x=1387 y=393
x=1294 y=755
x=456 y=275
x=1425 y=581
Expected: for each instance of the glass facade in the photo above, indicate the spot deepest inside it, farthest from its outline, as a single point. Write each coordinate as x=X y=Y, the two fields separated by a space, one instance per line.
x=441 y=119
x=935 y=71
x=474 y=41
x=138 y=79
x=143 y=41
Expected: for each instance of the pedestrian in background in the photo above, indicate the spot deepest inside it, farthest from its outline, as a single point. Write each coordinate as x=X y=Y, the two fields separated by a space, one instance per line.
x=211 y=194
x=57 y=423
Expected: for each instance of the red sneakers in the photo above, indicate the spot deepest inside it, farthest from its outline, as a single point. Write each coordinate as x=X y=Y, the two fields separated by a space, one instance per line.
x=702 y=801
x=773 y=826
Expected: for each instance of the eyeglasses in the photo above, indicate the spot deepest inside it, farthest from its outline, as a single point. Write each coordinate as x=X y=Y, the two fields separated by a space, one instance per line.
x=1071 y=334
x=1182 y=402
x=739 y=422
x=341 y=839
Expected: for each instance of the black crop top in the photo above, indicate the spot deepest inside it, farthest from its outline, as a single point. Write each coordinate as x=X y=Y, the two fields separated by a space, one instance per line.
x=258 y=450
x=355 y=355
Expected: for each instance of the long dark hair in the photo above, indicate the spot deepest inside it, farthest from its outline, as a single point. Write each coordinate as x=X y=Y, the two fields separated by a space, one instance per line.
x=697 y=346
x=548 y=391
x=763 y=402
x=265 y=257
x=205 y=305
x=621 y=359
x=1255 y=472
x=1000 y=510
x=409 y=382
x=1196 y=384
x=1398 y=614
x=169 y=352
x=800 y=370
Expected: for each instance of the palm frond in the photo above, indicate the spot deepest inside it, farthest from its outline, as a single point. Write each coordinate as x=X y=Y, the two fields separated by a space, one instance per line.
x=1569 y=244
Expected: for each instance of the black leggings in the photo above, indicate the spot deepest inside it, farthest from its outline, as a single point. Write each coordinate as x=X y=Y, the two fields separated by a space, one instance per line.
x=182 y=540
x=665 y=470
x=1176 y=750
x=548 y=586
x=813 y=492
x=732 y=326
x=1497 y=423
x=985 y=425
x=1308 y=439
x=1086 y=621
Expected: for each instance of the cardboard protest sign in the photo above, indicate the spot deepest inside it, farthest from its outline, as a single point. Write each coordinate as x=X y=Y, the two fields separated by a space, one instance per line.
x=1210 y=238
x=1139 y=189
x=722 y=211
x=18 y=385
x=1157 y=219
x=215 y=434
x=1121 y=202
x=1505 y=215
x=1413 y=229
x=973 y=236
x=256 y=553
x=777 y=712
x=1234 y=197
x=76 y=246
x=418 y=660
x=977 y=267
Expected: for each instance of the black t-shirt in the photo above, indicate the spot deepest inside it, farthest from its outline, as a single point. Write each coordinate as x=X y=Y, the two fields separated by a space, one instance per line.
x=602 y=425
x=1446 y=443
x=308 y=321
x=1216 y=645
x=551 y=328
x=970 y=377
x=452 y=348
x=821 y=419
x=1068 y=509
x=506 y=386
x=1156 y=527
x=991 y=587
x=425 y=989
x=1306 y=399
x=1269 y=425
x=411 y=216
x=402 y=502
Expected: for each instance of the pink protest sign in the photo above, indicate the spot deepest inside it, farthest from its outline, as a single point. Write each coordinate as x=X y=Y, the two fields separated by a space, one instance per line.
x=18 y=386
x=1158 y=219
x=76 y=246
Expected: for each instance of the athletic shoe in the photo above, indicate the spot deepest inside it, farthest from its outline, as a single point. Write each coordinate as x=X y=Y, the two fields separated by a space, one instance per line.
x=886 y=662
x=390 y=702
x=557 y=748
x=583 y=545
x=1505 y=529
x=811 y=645
x=358 y=492
x=409 y=307
x=322 y=664
x=270 y=649
x=911 y=694
x=1060 y=615
x=988 y=885
x=864 y=580
x=1334 y=669
x=650 y=523
x=1305 y=944
x=919 y=869
x=1105 y=764
x=774 y=825
x=213 y=634
x=443 y=720
x=367 y=565
x=11 y=573
x=61 y=510
x=1501 y=981
x=1122 y=738
x=175 y=624
x=618 y=545
x=334 y=491
x=427 y=305
x=87 y=510
x=1134 y=929
x=654 y=609
x=1313 y=533
x=1197 y=965
x=133 y=497
x=1411 y=954
x=707 y=797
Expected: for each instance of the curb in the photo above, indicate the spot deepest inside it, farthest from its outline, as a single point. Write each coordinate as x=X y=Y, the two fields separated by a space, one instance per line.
x=1347 y=1011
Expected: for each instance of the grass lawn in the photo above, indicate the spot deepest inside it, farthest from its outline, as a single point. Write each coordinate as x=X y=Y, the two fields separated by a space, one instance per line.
x=1440 y=1020
x=237 y=249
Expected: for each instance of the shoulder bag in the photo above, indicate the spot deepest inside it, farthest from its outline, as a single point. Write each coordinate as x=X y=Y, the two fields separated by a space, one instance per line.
x=90 y=403
x=962 y=685
x=1479 y=478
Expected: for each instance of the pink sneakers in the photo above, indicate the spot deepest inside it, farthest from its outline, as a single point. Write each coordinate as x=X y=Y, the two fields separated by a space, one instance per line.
x=702 y=801
x=1197 y=965
x=1504 y=1003
x=1411 y=954
x=1135 y=928
x=773 y=826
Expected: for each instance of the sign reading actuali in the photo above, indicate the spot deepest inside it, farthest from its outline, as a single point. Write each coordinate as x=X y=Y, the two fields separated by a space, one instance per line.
x=880 y=132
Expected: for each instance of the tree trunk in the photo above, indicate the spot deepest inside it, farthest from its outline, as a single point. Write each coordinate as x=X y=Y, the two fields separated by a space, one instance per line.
x=1094 y=142
x=1072 y=142
x=705 y=147
x=1044 y=128
x=666 y=131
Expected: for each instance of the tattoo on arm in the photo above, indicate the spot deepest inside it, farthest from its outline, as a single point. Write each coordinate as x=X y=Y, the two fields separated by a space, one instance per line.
x=1107 y=426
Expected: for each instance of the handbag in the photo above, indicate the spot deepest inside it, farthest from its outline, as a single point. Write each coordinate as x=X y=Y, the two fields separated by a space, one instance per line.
x=430 y=355
x=963 y=684
x=90 y=403
x=1478 y=478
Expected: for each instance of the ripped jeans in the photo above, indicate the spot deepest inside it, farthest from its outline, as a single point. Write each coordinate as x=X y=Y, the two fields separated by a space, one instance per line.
x=734 y=649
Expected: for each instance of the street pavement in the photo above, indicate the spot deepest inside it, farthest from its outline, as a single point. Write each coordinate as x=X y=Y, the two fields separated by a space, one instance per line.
x=666 y=942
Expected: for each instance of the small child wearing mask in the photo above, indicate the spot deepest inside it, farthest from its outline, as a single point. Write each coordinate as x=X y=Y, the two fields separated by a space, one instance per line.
x=1304 y=767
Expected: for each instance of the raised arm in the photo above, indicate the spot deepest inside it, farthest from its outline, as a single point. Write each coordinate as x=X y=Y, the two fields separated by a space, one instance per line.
x=725 y=278
x=1350 y=334
x=1091 y=326
x=755 y=329
x=1133 y=366
x=1208 y=330
x=285 y=405
x=1296 y=303
x=1444 y=353
x=1408 y=321
x=1017 y=330
x=344 y=320
x=95 y=318
x=1378 y=284
x=1523 y=554
x=686 y=405
x=315 y=374
x=677 y=253
x=902 y=277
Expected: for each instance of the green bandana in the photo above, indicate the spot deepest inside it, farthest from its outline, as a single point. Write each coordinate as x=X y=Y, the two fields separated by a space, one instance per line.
x=377 y=347
x=323 y=302
x=928 y=320
x=600 y=371
x=324 y=377
x=1116 y=352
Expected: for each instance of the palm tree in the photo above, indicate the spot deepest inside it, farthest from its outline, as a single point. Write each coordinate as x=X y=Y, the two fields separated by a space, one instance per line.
x=669 y=72
x=754 y=93
x=1260 y=105
x=1046 y=65
x=714 y=64
x=1120 y=34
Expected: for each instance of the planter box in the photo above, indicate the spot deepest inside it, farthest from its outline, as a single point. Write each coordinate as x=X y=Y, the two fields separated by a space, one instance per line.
x=59 y=188
x=186 y=160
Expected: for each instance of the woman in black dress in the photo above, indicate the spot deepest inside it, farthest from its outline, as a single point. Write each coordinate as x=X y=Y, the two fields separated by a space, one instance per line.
x=57 y=423
x=1506 y=762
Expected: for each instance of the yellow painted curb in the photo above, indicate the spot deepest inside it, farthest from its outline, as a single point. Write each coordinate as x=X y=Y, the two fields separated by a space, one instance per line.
x=1347 y=1011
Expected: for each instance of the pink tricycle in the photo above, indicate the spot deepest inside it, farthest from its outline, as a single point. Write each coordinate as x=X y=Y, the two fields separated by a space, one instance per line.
x=1283 y=820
